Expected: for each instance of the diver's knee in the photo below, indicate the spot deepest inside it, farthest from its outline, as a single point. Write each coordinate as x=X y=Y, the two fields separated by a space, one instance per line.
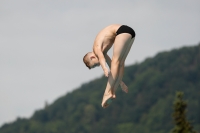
x=119 y=63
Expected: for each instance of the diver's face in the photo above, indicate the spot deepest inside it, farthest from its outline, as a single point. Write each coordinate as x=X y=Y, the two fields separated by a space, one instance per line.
x=94 y=61
x=96 y=64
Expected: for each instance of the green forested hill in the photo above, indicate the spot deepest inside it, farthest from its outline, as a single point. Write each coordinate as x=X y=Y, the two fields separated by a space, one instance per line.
x=147 y=108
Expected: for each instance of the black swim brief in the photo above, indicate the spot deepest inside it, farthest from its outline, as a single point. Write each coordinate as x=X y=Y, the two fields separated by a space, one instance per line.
x=126 y=29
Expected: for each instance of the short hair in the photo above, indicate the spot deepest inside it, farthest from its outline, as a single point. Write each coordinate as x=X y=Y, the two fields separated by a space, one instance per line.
x=86 y=61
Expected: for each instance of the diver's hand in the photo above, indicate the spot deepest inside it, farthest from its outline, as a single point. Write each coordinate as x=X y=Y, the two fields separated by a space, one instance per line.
x=124 y=87
x=106 y=72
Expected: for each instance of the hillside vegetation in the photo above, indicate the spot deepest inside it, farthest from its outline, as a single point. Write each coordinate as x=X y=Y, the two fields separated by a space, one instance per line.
x=147 y=108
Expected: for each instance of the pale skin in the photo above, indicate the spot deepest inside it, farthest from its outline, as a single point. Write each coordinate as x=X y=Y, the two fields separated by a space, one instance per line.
x=121 y=43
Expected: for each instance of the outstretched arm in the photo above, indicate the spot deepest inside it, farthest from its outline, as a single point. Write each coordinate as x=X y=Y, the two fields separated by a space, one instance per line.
x=102 y=62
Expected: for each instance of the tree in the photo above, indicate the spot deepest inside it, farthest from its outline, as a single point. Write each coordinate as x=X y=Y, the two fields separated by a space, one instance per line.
x=179 y=115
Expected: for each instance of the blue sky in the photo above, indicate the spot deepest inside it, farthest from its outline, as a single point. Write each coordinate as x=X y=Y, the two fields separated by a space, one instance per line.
x=42 y=43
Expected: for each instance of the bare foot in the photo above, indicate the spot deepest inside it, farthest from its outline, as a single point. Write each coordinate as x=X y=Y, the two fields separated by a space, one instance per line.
x=107 y=103
x=107 y=100
x=124 y=87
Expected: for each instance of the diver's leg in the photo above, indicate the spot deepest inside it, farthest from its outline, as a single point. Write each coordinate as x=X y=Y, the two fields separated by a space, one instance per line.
x=121 y=46
x=122 y=84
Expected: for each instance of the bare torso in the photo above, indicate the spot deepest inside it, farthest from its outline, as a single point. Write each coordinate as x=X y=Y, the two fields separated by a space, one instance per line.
x=105 y=39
